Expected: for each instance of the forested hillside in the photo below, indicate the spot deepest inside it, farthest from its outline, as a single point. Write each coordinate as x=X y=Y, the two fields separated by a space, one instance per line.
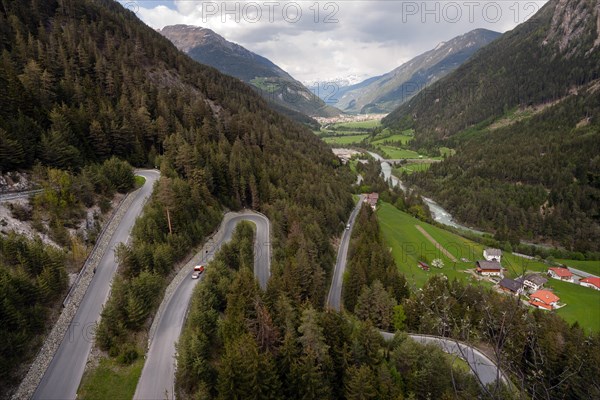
x=536 y=179
x=81 y=81
x=524 y=117
x=542 y=60
x=32 y=279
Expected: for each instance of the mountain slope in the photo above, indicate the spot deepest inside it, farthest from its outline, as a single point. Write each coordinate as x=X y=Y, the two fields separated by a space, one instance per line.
x=274 y=84
x=83 y=80
x=385 y=93
x=524 y=116
x=541 y=60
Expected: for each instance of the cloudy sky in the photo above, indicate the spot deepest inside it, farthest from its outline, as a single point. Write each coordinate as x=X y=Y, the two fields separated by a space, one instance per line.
x=324 y=40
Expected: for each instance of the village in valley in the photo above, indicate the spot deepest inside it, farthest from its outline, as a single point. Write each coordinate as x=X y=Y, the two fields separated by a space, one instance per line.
x=531 y=286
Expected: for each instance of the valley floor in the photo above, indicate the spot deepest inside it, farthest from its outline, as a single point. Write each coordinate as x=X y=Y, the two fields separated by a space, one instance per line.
x=408 y=245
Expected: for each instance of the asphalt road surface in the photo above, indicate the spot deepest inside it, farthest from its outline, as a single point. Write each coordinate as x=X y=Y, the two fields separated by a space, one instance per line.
x=335 y=291
x=158 y=376
x=581 y=273
x=482 y=366
x=64 y=373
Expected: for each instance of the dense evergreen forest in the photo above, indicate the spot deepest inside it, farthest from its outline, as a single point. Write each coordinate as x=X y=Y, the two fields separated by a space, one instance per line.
x=33 y=274
x=241 y=343
x=524 y=116
x=83 y=80
x=536 y=179
x=32 y=279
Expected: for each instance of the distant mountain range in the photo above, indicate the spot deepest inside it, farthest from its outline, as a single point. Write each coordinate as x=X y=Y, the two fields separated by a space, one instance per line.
x=384 y=93
x=524 y=116
x=281 y=90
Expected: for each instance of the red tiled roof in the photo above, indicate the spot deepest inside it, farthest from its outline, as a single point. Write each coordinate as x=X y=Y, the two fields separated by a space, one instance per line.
x=594 y=281
x=540 y=304
x=561 y=272
x=544 y=296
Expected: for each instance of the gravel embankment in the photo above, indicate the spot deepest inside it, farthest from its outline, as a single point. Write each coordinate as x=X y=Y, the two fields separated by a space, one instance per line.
x=52 y=342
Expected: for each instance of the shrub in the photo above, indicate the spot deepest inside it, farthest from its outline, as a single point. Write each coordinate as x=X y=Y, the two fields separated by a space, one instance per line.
x=119 y=173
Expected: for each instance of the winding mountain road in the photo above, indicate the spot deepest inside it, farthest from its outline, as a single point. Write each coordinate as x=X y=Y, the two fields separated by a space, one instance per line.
x=62 y=378
x=337 y=280
x=158 y=376
x=483 y=367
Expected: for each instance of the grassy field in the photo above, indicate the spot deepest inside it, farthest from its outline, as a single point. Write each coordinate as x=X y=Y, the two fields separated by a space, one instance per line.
x=111 y=380
x=447 y=151
x=410 y=168
x=393 y=138
x=344 y=139
x=370 y=124
x=327 y=133
x=583 y=304
x=591 y=267
x=408 y=245
x=397 y=153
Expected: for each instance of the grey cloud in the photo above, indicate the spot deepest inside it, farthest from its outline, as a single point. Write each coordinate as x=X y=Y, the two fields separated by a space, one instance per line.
x=370 y=37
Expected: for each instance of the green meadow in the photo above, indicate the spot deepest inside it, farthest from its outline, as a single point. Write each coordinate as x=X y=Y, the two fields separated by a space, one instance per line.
x=370 y=124
x=591 y=267
x=347 y=139
x=582 y=304
x=410 y=168
x=408 y=245
x=394 y=153
x=404 y=139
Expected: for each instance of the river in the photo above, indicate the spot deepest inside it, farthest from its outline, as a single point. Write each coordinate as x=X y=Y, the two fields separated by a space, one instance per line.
x=438 y=213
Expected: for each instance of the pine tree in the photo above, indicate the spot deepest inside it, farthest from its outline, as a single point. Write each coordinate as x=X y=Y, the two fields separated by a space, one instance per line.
x=360 y=383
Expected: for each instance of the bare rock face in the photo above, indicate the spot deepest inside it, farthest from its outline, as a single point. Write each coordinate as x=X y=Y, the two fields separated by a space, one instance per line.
x=14 y=182
x=575 y=27
x=186 y=37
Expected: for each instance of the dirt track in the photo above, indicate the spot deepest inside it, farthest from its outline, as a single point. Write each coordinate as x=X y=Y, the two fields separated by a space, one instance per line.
x=436 y=244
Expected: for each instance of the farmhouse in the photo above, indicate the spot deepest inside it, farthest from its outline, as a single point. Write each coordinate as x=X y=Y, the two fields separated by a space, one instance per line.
x=492 y=254
x=544 y=299
x=423 y=266
x=511 y=286
x=560 y=273
x=592 y=282
x=489 y=268
x=372 y=200
x=534 y=281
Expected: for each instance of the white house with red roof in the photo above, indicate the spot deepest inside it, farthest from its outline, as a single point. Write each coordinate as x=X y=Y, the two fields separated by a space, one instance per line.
x=544 y=299
x=591 y=282
x=564 y=274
